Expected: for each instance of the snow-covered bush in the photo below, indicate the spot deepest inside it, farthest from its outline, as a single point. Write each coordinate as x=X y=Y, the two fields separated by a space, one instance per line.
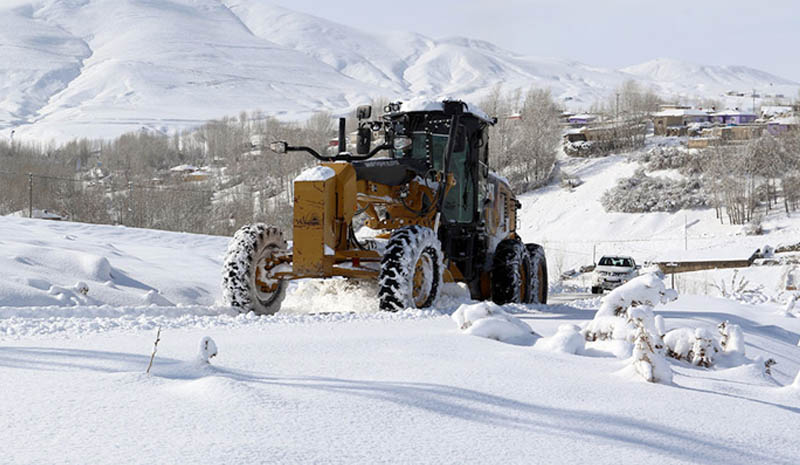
x=740 y=289
x=647 y=358
x=626 y=314
x=613 y=321
x=696 y=346
x=81 y=288
x=641 y=193
x=568 y=339
x=687 y=161
x=731 y=338
x=489 y=320
x=208 y=350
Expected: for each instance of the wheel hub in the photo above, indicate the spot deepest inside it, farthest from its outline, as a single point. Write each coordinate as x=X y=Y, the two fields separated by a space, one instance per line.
x=422 y=281
x=265 y=283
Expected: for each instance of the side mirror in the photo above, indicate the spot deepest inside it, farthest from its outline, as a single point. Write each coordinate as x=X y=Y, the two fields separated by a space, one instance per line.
x=279 y=146
x=364 y=140
x=364 y=112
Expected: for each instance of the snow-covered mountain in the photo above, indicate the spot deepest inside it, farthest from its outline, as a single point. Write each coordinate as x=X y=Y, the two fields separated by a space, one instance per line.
x=675 y=76
x=102 y=67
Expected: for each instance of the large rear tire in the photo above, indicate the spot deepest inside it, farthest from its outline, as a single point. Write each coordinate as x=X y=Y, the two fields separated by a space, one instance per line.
x=511 y=273
x=411 y=269
x=247 y=282
x=538 y=276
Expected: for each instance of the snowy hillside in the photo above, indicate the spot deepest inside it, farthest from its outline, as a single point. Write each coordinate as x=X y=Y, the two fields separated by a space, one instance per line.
x=101 y=67
x=675 y=75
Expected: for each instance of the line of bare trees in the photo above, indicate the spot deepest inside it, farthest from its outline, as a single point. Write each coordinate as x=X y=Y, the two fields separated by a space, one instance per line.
x=745 y=179
x=127 y=180
x=524 y=142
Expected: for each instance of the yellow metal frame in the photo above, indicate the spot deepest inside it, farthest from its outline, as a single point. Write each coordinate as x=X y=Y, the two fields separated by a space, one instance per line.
x=324 y=209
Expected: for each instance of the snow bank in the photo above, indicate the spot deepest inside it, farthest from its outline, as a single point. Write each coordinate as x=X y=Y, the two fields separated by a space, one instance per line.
x=568 y=339
x=489 y=320
x=72 y=264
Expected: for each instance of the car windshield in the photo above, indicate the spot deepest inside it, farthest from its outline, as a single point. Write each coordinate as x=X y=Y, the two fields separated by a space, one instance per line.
x=616 y=261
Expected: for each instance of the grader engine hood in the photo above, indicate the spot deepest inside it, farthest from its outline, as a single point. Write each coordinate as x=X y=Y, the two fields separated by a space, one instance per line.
x=324 y=203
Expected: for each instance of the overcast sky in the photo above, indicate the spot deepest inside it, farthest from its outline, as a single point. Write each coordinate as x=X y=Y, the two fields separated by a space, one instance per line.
x=761 y=34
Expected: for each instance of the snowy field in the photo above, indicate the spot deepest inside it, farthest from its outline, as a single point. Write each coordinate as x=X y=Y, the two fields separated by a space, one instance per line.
x=360 y=387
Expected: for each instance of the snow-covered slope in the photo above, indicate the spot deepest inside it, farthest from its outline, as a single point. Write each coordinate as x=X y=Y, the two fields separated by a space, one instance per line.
x=676 y=76
x=102 y=67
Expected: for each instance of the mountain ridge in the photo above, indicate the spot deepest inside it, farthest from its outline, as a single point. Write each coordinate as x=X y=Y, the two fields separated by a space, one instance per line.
x=97 y=68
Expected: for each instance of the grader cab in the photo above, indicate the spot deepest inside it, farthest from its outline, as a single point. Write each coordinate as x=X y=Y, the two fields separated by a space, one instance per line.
x=438 y=214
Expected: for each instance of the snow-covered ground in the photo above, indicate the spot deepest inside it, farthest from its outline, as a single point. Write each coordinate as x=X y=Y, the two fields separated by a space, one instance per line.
x=356 y=386
x=576 y=231
x=331 y=380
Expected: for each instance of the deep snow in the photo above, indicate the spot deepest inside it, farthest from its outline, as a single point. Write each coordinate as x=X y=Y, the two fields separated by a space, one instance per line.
x=362 y=387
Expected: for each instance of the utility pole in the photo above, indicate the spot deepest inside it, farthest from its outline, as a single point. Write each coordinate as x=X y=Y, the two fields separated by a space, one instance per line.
x=617 y=94
x=30 y=195
x=130 y=204
x=685 y=232
x=754 y=101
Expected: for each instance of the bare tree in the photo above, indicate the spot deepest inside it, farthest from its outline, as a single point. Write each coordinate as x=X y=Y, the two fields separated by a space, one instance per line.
x=524 y=142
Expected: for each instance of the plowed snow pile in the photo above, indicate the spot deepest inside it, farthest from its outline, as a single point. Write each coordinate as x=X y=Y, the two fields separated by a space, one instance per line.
x=80 y=306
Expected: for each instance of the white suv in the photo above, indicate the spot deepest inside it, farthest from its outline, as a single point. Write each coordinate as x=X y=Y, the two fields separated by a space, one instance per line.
x=612 y=271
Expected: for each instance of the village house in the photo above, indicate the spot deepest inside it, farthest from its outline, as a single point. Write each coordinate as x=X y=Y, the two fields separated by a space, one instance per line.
x=675 y=120
x=784 y=124
x=733 y=117
x=727 y=135
x=581 y=119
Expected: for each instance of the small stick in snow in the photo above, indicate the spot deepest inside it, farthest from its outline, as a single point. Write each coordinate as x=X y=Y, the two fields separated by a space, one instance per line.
x=155 y=347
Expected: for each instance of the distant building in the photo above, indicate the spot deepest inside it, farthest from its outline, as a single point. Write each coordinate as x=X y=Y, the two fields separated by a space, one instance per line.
x=733 y=117
x=727 y=135
x=781 y=125
x=771 y=111
x=675 y=120
x=581 y=119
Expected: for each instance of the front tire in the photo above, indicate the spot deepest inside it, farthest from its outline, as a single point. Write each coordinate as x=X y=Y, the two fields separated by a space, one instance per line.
x=251 y=259
x=411 y=269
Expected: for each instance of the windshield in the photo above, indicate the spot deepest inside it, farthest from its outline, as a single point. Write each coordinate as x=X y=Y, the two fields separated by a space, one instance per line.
x=459 y=202
x=616 y=261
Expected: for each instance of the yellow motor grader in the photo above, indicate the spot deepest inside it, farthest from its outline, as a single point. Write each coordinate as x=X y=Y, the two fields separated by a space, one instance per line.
x=437 y=212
